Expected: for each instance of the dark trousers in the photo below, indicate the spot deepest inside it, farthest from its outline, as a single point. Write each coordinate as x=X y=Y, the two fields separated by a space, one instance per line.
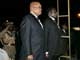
x=37 y=56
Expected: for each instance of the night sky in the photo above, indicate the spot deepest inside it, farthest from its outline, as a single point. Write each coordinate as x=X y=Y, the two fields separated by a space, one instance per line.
x=14 y=10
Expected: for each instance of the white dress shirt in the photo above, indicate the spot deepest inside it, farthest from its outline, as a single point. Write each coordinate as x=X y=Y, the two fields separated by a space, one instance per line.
x=37 y=18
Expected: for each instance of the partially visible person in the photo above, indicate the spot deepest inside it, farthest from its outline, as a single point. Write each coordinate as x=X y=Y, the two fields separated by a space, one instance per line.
x=3 y=55
x=54 y=44
x=64 y=28
x=1 y=45
x=7 y=38
x=32 y=34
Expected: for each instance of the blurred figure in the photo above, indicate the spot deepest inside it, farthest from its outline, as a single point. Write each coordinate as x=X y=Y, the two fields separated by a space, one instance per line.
x=64 y=28
x=32 y=34
x=7 y=37
x=54 y=44
x=1 y=45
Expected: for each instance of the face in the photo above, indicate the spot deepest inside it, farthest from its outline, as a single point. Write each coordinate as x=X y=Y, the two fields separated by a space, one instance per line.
x=36 y=8
x=54 y=13
x=65 y=27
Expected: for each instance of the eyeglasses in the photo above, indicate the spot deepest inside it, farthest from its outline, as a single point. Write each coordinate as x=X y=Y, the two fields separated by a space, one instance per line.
x=38 y=7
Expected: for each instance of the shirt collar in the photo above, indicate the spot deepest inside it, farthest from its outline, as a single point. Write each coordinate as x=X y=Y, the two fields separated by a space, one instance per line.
x=52 y=18
x=34 y=14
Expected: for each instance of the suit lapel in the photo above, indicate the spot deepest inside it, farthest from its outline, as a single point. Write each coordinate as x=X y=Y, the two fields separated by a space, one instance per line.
x=36 y=20
x=55 y=23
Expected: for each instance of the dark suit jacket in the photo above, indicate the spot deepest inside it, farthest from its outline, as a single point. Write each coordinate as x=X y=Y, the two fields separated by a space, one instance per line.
x=31 y=36
x=53 y=42
x=18 y=44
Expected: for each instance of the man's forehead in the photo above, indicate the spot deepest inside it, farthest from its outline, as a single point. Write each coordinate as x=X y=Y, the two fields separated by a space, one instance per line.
x=35 y=3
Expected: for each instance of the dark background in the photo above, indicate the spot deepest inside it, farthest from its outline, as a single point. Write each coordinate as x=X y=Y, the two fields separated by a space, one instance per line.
x=14 y=10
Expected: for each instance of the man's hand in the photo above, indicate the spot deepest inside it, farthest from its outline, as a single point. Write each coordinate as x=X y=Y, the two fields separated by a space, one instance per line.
x=46 y=53
x=30 y=57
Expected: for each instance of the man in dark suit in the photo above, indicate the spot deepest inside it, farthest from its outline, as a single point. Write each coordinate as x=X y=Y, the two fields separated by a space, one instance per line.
x=53 y=42
x=32 y=35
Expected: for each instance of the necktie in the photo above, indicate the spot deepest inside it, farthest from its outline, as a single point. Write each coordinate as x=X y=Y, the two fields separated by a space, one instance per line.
x=40 y=23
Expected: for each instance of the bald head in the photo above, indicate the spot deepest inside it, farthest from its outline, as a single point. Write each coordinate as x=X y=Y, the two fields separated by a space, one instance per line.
x=35 y=7
x=34 y=3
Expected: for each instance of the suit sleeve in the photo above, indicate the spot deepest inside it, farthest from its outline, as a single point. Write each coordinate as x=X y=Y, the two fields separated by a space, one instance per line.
x=26 y=36
x=46 y=37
